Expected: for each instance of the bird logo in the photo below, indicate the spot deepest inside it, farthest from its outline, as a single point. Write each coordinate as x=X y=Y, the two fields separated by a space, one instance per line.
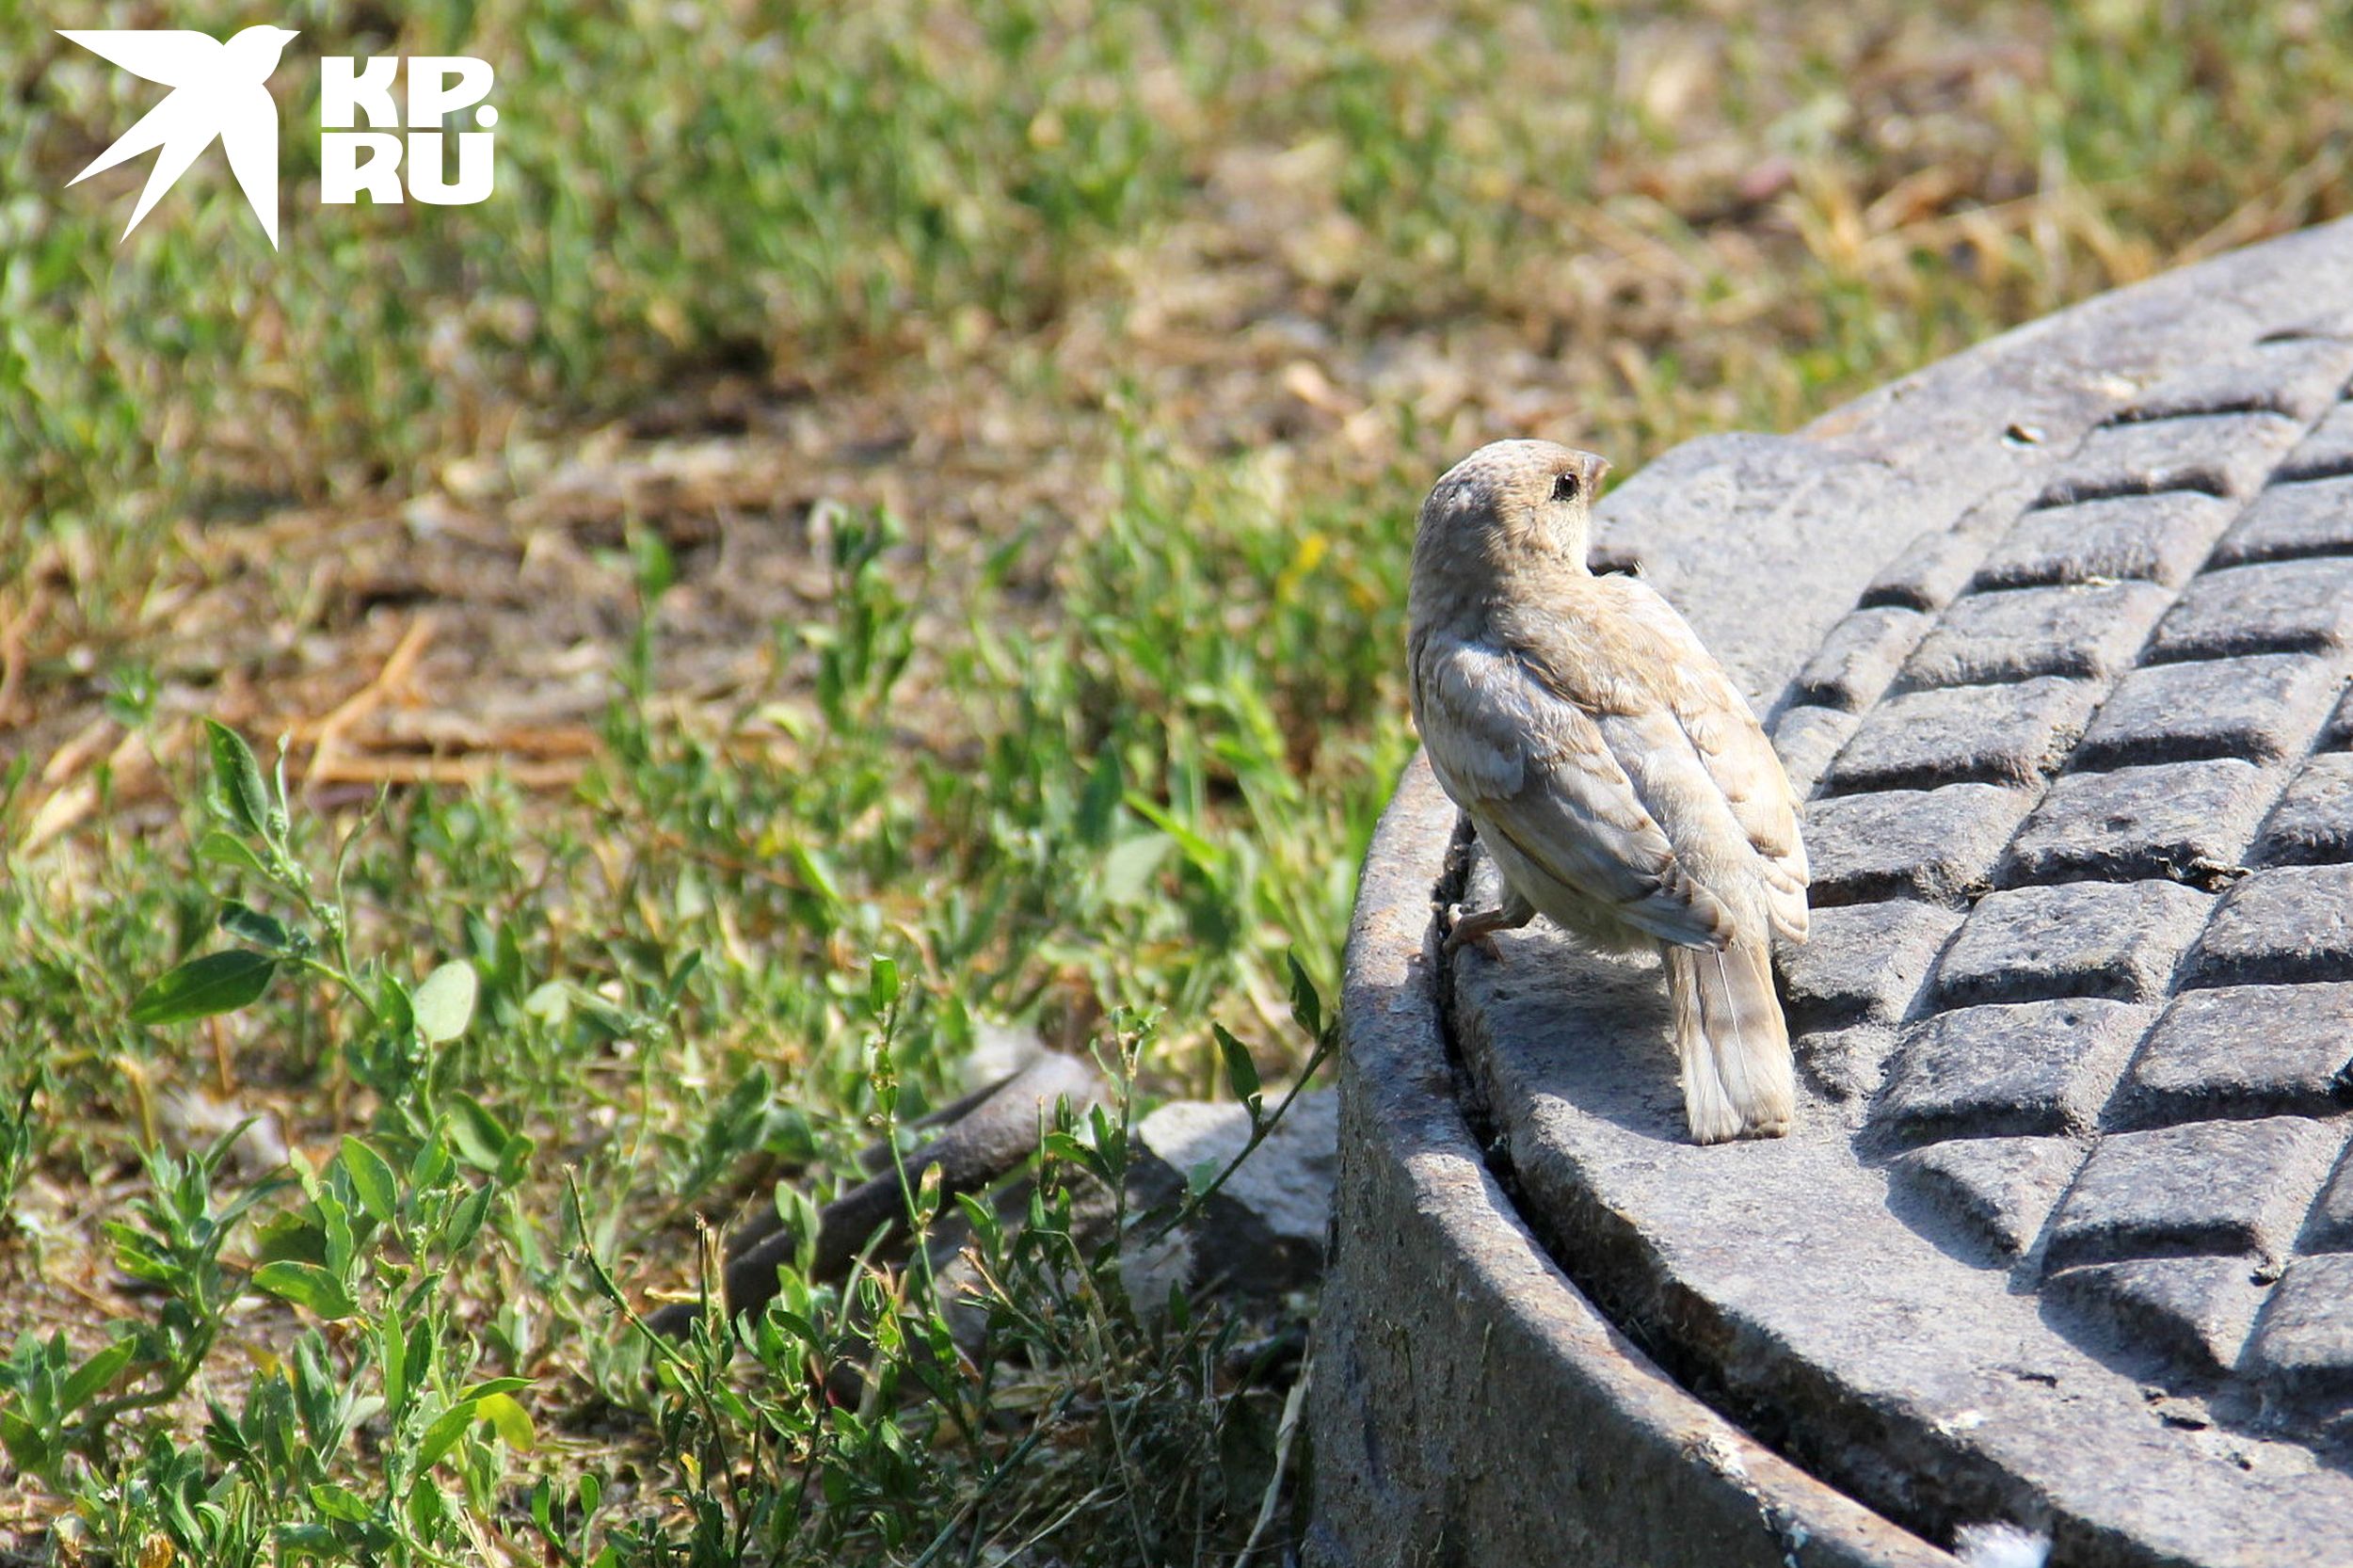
x=219 y=91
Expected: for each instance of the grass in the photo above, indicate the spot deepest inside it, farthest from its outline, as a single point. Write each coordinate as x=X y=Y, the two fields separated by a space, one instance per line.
x=888 y=529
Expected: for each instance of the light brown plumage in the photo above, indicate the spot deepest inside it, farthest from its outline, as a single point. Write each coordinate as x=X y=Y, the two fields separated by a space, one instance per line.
x=1611 y=768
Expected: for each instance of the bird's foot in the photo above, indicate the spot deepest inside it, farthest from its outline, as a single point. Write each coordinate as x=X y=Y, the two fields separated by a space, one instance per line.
x=1478 y=931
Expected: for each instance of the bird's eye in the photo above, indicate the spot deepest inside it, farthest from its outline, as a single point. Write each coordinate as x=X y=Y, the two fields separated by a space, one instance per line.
x=1564 y=487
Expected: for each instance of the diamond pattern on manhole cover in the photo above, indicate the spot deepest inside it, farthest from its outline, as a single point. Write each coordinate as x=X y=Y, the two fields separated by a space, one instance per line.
x=2084 y=837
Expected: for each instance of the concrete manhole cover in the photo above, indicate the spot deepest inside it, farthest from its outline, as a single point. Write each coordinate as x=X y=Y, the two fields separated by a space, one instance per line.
x=2057 y=635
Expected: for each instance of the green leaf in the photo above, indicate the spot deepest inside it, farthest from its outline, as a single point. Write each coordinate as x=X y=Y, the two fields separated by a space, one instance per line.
x=238 y=777
x=306 y=1285
x=286 y=1238
x=226 y=849
x=1128 y=868
x=443 y=1005
x=394 y=1356
x=337 y=1243
x=94 y=1374
x=338 y=1502
x=371 y=1181
x=814 y=872
x=1241 y=1072
x=552 y=1001
x=656 y=570
x=24 y=1441
x=882 y=985
x=511 y=1421
x=313 y=1540
x=685 y=970
x=986 y=1228
x=251 y=925
x=516 y=1159
x=465 y=1221
x=1098 y=805
x=480 y=1137
x=443 y=1436
x=422 y=1344
x=1198 y=849
x=432 y=1165
x=216 y=982
x=1307 y=1006
x=394 y=1008
x=427 y=1508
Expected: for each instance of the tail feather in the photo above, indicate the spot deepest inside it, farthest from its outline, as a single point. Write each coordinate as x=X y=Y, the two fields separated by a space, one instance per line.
x=1737 y=1077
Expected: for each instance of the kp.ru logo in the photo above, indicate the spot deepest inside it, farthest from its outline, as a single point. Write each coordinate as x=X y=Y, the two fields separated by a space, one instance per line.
x=220 y=92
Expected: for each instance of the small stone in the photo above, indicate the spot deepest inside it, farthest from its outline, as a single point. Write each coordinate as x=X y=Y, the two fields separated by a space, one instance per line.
x=2086 y=631
x=2304 y=1348
x=2236 y=1188
x=2271 y=607
x=2196 y=1310
x=2313 y=824
x=192 y=1118
x=1863 y=961
x=2151 y=539
x=2031 y=1068
x=1937 y=845
x=2285 y=926
x=1264 y=1230
x=2188 y=821
x=2119 y=941
x=2259 y=708
x=2245 y=1050
x=2008 y=734
x=2001 y=1188
x=999 y=1051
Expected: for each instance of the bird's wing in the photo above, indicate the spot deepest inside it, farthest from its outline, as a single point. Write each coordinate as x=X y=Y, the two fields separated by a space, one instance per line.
x=1536 y=768
x=249 y=132
x=1687 y=682
x=174 y=57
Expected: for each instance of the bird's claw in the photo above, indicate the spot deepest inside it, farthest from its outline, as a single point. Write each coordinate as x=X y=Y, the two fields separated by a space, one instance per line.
x=1475 y=931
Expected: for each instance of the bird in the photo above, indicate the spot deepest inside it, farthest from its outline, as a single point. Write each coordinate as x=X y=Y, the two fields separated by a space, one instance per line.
x=220 y=90
x=1618 y=780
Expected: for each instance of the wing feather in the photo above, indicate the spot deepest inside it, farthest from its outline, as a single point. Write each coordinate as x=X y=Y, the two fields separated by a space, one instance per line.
x=1538 y=771
x=1659 y=665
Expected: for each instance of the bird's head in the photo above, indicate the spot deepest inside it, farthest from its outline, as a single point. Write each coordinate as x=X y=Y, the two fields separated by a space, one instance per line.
x=1513 y=501
x=263 y=43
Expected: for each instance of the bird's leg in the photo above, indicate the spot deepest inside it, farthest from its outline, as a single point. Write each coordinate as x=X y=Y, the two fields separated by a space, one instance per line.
x=1480 y=930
